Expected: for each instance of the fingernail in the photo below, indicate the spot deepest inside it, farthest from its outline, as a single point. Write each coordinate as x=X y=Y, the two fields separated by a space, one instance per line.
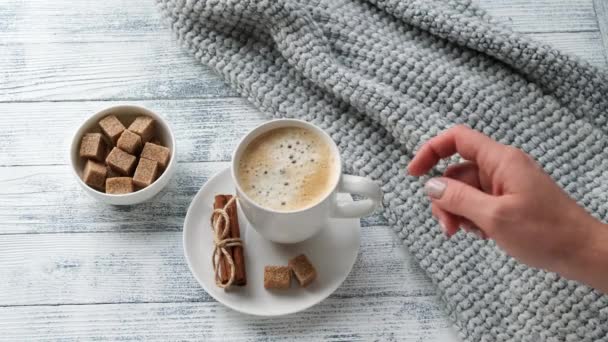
x=435 y=187
x=444 y=229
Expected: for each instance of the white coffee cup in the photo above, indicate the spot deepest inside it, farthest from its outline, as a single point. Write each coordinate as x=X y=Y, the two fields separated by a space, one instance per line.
x=299 y=225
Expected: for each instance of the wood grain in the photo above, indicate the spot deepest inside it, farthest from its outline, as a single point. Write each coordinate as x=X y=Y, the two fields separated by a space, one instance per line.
x=206 y=130
x=200 y=121
x=127 y=54
x=35 y=21
x=151 y=70
x=47 y=199
x=88 y=268
x=109 y=70
x=544 y=15
x=584 y=45
x=40 y=21
x=336 y=319
x=601 y=11
x=73 y=269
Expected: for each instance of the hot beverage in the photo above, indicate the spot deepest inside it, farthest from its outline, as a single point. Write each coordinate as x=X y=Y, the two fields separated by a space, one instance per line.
x=287 y=168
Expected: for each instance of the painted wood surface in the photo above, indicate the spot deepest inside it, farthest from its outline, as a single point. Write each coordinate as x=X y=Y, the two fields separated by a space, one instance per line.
x=126 y=53
x=336 y=319
x=601 y=10
x=206 y=129
x=544 y=15
x=144 y=267
x=73 y=269
x=46 y=199
x=42 y=21
x=154 y=69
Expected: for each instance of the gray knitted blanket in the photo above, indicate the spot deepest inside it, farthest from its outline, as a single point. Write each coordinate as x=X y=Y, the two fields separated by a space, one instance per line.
x=383 y=76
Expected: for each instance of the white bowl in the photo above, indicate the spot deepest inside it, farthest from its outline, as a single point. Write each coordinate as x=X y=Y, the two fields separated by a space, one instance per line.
x=126 y=114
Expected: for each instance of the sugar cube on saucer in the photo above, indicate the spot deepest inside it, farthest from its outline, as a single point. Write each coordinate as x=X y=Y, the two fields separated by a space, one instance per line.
x=303 y=270
x=277 y=277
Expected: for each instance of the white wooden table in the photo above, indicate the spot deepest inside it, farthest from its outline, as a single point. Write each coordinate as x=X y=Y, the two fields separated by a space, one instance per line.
x=71 y=268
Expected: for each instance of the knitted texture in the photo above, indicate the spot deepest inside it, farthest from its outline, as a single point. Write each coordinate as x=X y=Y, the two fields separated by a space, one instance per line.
x=383 y=76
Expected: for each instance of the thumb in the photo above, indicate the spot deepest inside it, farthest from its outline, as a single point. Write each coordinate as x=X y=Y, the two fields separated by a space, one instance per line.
x=459 y=198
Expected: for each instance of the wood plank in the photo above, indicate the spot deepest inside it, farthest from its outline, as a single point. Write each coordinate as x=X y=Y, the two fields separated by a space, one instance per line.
x=22 y=121
x=47 y=199
x=124 y=70
x=585 y=45
x=601 y=12
x=151 y=70
x=40 y=21
x=335 y=319
x=89 y=268
x=206 y=130
x=543 y=15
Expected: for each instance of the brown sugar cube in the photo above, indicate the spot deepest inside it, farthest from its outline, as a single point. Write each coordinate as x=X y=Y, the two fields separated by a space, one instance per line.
x=120 y=161
x=112 y=127
x=145 y=173
x=119 y=185
x=112 y=173
x=129 y=142
x=94 y=174
x=92 y=146
x=303 y=270
x=144 y=127
x=277 y=277
x=159 y=154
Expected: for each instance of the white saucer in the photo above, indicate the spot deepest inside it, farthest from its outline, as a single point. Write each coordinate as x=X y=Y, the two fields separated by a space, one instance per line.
x=333 y=252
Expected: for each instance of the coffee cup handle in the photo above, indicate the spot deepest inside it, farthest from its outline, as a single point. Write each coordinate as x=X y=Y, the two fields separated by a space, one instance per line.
x=358 y=186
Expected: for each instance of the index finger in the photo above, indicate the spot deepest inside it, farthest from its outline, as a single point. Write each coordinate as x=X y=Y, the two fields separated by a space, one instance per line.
x=470 y=144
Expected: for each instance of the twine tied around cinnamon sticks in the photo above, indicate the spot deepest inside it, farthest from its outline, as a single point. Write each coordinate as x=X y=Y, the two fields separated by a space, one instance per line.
x=222 y=245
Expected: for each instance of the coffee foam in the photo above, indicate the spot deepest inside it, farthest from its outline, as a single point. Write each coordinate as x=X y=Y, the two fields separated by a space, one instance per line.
x=286 y=169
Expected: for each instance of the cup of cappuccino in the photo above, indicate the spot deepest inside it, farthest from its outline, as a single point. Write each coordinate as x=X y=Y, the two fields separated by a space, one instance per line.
x=287 y=175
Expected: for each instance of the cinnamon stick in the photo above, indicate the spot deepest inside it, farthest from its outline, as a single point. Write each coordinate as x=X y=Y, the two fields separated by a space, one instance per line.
x=219 y=203
x=240 y=275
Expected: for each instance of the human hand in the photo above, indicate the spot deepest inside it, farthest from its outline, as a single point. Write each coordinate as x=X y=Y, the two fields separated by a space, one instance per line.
x=503 y=194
